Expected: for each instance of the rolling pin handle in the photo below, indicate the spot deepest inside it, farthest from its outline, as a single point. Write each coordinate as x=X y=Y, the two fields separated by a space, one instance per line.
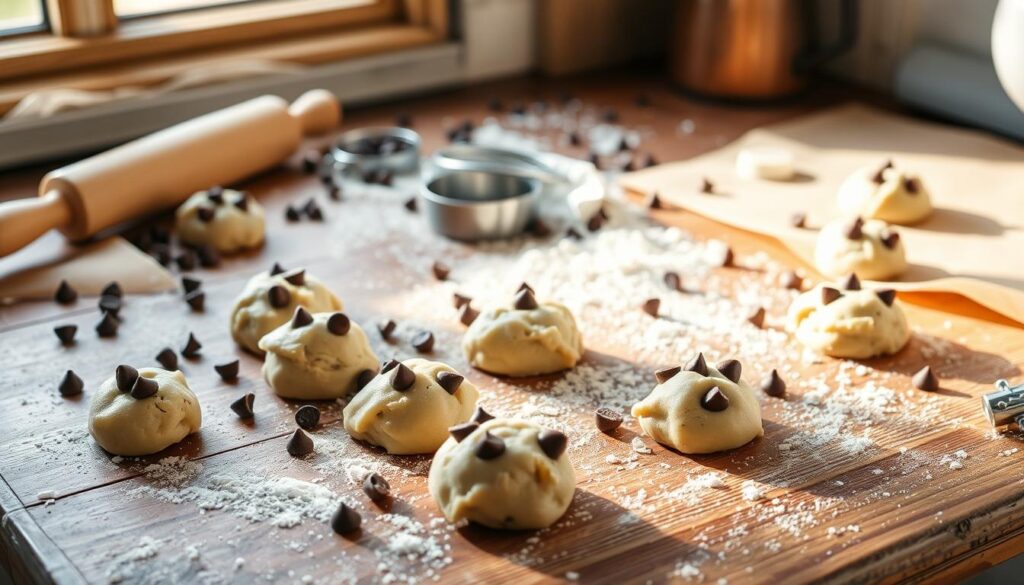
x=317 y=110
x=24 y=220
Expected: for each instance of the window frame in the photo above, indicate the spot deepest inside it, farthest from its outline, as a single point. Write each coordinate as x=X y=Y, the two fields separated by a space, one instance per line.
x=42 y=27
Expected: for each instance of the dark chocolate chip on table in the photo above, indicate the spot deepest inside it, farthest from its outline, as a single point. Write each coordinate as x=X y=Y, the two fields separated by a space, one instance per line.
x=66 y=333
x=595 y=222
x=197 y=300
x=113 y=289
x=345 y=520
x=144 y=388
x=411 y=204
x=706 y=186
x=673 y=281
x=376 y=488
x=307 y=417
x=423 y=342
x=440 y=270
x=607 y=420
x=540 y=228
x=110 y=304
x=481 y=416
x=715 y=400
x=774 y=385
x=167 y=359
x=192 y=347
x=243 y=406
x=728 y=258
x=386 y=328
x=572 y=233
x=756 y=318
x=798 y=220
x=310 y=161
x=450 y=381
x=490 y=446
x=525 y=300
x=651 y=306
x=552 y=443
x=666 y=374
x=460 y=300
x=654 y=201
x=107 y=327
x=731 y=369
x=227 y=372
x=792 y=280
x=461 y=431
x=334 y=192
x=698 y=364
x=124 y=377
x=300 y=444
x=65 y=294
x=278 y=296
x=402 y=378
x=313 y=211
x=291 y=213
x=301 y=318
x=339 y=324
x=926 y=380
x=70 y=385
x=468 y=315
x=190 y=284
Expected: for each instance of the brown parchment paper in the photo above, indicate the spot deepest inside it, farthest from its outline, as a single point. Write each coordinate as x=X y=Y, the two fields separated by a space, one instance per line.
x=972 y=245
x=35 y=271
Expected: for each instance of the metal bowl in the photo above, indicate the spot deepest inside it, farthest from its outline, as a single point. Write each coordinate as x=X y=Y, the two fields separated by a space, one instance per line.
x=478 y=205
x=400 y=161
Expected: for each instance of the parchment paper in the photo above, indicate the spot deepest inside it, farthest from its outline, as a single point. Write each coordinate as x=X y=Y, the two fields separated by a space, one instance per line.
x=35 y=271
x=972 y=245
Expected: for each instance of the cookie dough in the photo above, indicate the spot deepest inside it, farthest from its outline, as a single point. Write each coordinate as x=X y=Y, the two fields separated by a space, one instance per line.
x=885 y=193
x=504 y=474
x=269 y=300
x=526 y=339
x=316 y=360
x=408 y=407
x=848 y=322
x=701 y=409
x=226 y=219
x=141 y=412
x=870 y=248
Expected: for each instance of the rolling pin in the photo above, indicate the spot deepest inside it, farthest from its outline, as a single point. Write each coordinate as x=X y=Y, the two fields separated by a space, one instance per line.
x=163 y=169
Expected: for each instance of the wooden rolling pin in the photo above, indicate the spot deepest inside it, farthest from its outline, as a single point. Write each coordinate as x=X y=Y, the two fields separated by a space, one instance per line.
x=163 y=169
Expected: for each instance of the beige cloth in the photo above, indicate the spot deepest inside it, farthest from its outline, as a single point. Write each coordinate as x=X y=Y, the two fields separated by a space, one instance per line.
x=972 y=245
x=35 y=271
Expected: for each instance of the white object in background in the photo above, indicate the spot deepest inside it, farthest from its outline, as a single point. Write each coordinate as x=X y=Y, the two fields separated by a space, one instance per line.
x=775 y=164
x=1008 y=48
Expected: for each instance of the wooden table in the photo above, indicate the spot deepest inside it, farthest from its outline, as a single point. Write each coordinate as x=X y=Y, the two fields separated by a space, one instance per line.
x=894 y=511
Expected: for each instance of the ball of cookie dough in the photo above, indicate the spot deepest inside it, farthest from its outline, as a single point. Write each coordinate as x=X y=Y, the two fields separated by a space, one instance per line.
x=408 y=407
x=870 y=248
x=885 y=193
x=269 y=300
x=504 y=474
x=226 y=219
x=701 y=409
x=846 y=321
x=316 y=356
x=141 y=412
x=526 y=339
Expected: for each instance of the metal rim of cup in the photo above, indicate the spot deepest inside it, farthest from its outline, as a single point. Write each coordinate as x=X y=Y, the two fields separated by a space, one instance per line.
x=399 y=161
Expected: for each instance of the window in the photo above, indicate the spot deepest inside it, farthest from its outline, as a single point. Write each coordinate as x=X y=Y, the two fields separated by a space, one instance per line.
x=19 y=16
x=133 y=8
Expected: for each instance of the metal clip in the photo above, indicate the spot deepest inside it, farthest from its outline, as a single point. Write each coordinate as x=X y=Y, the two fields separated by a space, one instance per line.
x=1005 y=405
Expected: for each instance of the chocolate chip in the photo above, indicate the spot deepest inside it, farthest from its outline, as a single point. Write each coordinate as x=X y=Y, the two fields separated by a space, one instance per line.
x=112 y=289
x=673 y=281
x=525 y=286
x=276 y=269
x=774 y=385
x=243 y=406
x=490 y=446
x=296 y=277
x=389 y=365
x=887 y=295
x=911 y=186
x=65 y=295
x=314 y=212
x=310 y=161
x=851 y=282
x=450 y=381
x=607 y=420
x=624 y=144
x=552 y=443
x=242 y=203
x=307 y=416
x=167 y=359
x=525 y=301
x=697 y=364
x=208 y=256
x=66 y=333
x=890 y=239
x=301 y=318
x=792 y=280
x=300 y=444
x=411 y=204
x=572 y=233
x=651 y=307
x=731 y=369
x=649 y=161
x=595 y=222
x=107 y=327
x=215 y=194
x=339 y=324
x=460 y=300
x=574 y=138
x=666 y=374
x=110 y=304
x=707 y=186
x=540 y=229
x=460 y=432
x=855 y=230
x=926 y=380
x=468 y=315
x=376 y=488
x=423 y=341
x=386 y=328
x=595 y=159
x=402 y=378
x=192 y=347
x=798 y=220
x=70 y=385
x=160 y=234
x=278 y=296
x=481 y=416
x=714 y=400
x=291 y=213
x=440 y=270
x=144 y=388
x=190 y=284
x=125 y=377
x=879 y=176
x=197 y=300
x=345 y=519
x=310 y=206
x=364 y=378
x=756 y=318
x=228 y=371
x=654 y=201
x=829 y=294
x=205 y=214
x=334 y=192
x=728 y=258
